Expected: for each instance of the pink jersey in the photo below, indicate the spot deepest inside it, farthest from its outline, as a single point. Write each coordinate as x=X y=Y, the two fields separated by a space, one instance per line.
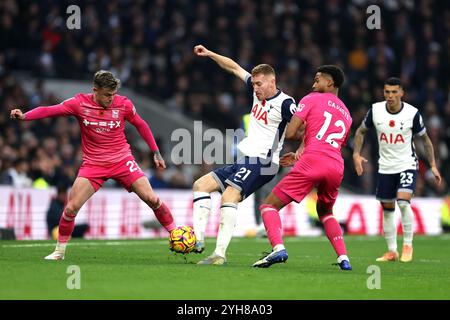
x=328 y=123
x=102 y=130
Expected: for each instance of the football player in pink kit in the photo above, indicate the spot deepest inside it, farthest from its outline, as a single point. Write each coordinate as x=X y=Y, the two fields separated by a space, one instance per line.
x=318 y=163
x=106 y=153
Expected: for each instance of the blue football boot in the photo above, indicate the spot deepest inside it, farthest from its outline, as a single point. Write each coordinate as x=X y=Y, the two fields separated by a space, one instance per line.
x=271 y=258
x=344 y=265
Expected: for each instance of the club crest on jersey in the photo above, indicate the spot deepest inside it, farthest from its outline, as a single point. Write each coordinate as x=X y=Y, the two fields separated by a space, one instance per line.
x=390 y=138
x=259 y=113
x=115 y=114
x=392 y=123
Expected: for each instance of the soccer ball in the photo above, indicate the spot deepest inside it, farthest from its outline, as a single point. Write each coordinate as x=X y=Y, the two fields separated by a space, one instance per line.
x=182 y=239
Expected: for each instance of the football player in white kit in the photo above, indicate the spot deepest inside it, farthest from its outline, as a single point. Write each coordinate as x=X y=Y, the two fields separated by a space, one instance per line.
x=272 y=110
x=396 y=123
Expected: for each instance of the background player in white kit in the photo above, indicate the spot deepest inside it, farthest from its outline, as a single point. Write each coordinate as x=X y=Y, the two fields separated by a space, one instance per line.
x=271 y=111
x=396 y=123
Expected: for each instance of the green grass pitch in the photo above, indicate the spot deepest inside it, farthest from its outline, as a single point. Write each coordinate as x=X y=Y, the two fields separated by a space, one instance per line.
x=145 y=269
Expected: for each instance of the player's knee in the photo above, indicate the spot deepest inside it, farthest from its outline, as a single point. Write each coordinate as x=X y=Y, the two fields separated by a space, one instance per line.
x=198 y=185
x=324 y=209
x=72 y=208
x=231 y=195
x=152 y=200
x=402 y=204
x=388 y=205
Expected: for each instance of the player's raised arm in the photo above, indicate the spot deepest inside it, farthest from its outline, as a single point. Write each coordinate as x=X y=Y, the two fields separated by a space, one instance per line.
x=224 y=62
x=429 y=151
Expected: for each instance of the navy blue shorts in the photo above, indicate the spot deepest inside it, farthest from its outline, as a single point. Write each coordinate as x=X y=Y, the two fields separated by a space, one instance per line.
x=247 y=175
x=388 y=185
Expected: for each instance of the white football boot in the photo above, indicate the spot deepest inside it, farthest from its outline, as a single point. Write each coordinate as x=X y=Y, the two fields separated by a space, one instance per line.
x=58 y=254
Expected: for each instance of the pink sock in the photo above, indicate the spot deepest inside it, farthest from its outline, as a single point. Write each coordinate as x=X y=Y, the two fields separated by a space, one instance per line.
x=334 y=233
x=272 y=222
x=66 y=225
x=165 y=217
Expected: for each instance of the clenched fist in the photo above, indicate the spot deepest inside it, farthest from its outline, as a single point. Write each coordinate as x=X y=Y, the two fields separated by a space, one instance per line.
x=201 y=51
x=17 y=114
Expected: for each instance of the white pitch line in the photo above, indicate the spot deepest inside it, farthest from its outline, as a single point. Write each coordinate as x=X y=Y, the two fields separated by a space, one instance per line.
x=237 y=239
x=87 y=243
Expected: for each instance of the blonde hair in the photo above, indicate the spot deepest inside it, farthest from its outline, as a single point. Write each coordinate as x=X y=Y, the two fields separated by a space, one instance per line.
x=264 y=69
x=105 y=79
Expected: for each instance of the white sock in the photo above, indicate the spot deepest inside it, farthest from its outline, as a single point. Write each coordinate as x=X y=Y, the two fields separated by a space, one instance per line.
x=228 y=217
x=202 y=208
x=407 y=221
x=342 y=258
x=390 y=230
x=61 y=247
x=278 y=247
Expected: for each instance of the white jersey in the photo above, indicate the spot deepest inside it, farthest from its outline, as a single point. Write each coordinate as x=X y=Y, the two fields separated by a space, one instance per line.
x=267 y=125
x=395 y=132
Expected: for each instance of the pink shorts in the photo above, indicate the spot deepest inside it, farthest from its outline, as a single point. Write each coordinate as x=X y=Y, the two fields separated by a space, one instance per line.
x=126 y=172
x=311 y=171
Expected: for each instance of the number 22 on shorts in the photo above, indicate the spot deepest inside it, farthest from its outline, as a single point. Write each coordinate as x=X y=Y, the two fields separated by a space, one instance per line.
x=133 y=165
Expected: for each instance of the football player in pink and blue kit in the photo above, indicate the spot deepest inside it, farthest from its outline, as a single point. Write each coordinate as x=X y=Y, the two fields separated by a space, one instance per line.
x=106 y=153
x=319 y=164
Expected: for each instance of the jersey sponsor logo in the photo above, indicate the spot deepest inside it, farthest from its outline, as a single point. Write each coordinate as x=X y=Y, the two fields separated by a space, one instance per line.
x=111 y=124
x=259 y=113
x=390 y=139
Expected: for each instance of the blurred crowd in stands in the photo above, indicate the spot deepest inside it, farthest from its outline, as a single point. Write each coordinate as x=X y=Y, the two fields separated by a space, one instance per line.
x=148 y=45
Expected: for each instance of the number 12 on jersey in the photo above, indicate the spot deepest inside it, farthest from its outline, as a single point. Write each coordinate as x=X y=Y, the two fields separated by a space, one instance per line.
x=336 y=135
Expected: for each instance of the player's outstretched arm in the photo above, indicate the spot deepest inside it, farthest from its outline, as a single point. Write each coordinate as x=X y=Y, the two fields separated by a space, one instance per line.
x=44 y=112
x=358 y=143
x=224 y=62
x=429 y=151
